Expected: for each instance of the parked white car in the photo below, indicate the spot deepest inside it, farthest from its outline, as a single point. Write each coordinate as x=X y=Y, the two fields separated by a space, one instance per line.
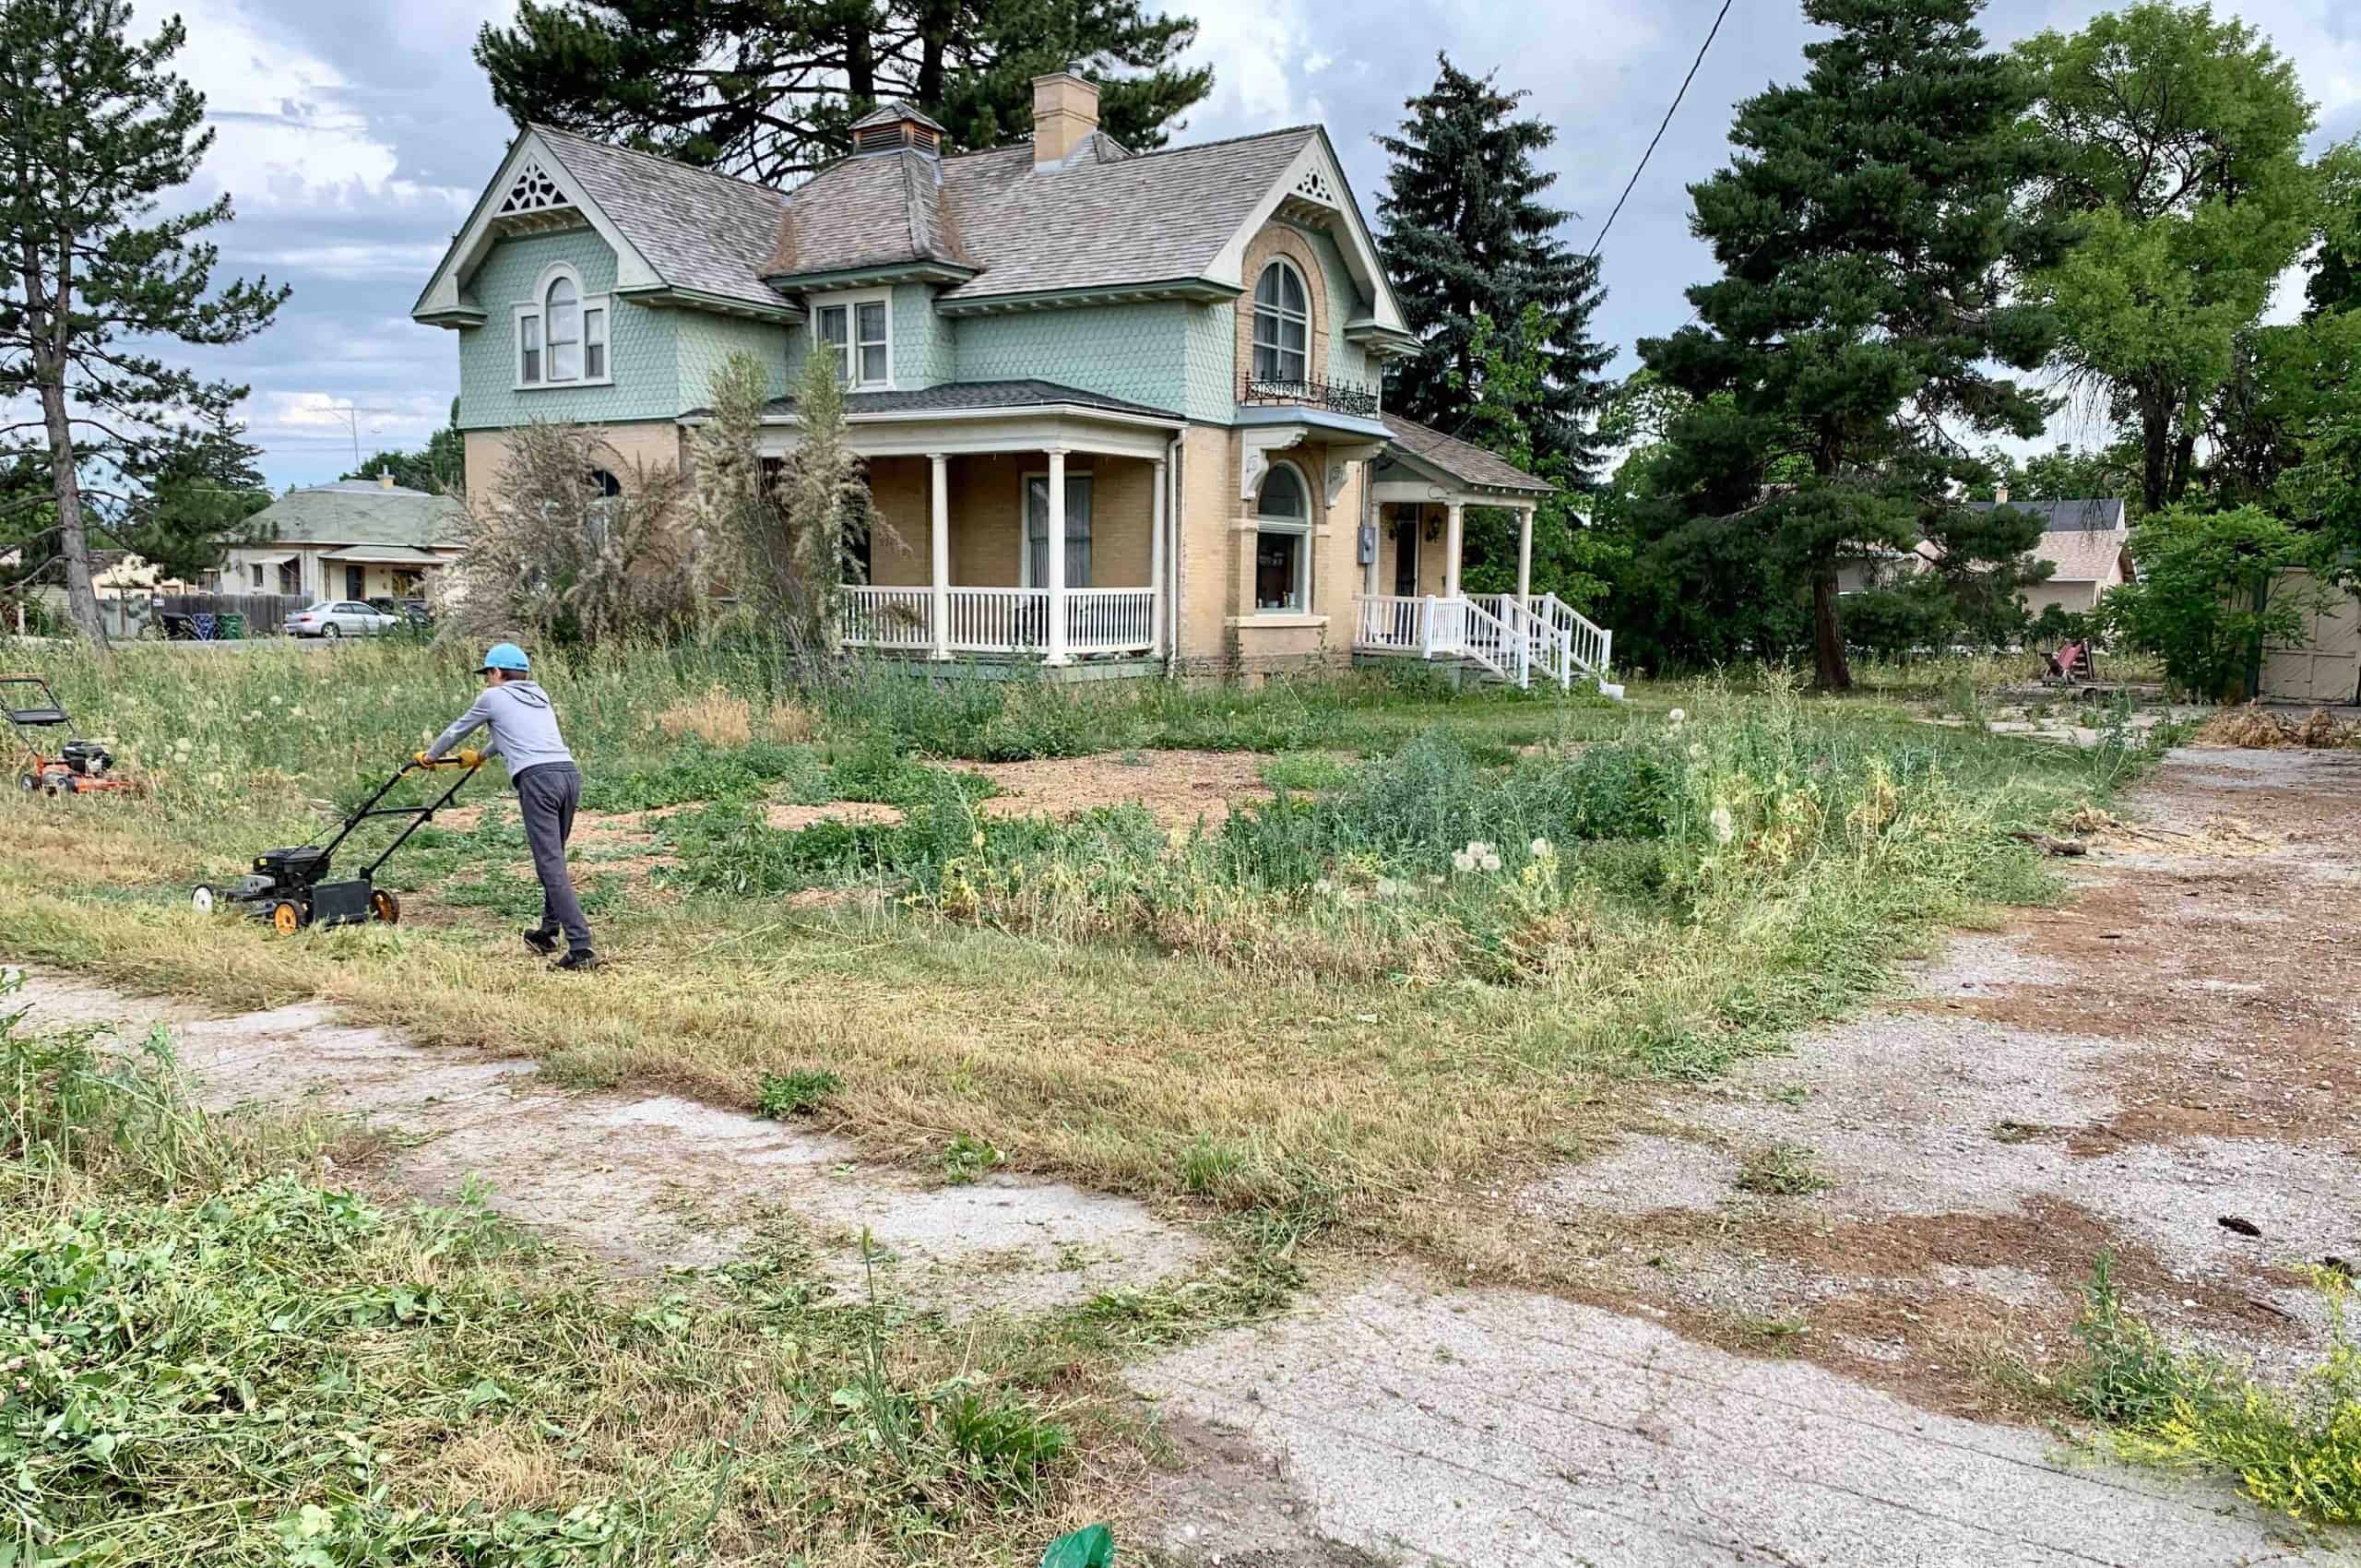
x=339 y=618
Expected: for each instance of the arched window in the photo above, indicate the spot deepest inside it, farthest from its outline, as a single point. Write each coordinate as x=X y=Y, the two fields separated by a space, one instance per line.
x=1283 y=542
x=1282 y=324
x=562 y=333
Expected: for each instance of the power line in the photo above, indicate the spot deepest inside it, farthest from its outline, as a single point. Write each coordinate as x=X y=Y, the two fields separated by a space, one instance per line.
x=1662 y=126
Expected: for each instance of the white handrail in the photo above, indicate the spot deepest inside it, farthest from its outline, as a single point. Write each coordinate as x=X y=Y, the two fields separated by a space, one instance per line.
x=998 y=620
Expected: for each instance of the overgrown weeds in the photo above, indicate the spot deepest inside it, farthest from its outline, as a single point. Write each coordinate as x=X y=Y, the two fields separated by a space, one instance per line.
x=2296 y=1451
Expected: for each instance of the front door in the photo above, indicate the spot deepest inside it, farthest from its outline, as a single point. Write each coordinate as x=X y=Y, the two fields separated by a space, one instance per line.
x=354 y=579
x=1036 y=531
x=1405 y=551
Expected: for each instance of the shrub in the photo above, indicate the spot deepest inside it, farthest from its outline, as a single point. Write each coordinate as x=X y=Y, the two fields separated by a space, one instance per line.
x=788 y=1094
x=2205 y=601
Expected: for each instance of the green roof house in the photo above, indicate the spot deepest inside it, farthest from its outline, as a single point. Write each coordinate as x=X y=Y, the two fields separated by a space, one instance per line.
x=1120 y=409
x=356 y=538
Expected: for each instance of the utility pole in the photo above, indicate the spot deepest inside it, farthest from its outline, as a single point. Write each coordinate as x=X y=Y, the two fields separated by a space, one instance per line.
x=351 y=413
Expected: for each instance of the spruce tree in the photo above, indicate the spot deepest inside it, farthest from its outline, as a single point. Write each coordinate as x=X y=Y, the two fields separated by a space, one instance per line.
x=1468 y=234
x=95 y=133
x=1867 y=232
x=800 y=72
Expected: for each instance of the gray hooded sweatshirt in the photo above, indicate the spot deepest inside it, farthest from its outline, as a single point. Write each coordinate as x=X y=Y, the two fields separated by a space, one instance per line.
x=523 y=726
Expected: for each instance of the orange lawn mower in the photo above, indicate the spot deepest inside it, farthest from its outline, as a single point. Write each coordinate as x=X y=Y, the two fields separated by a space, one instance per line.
x=287 y=888
x=78 y=766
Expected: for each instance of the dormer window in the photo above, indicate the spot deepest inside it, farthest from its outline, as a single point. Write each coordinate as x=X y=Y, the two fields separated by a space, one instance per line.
x=1282 y=324
x=861 y=329
x=562 y=334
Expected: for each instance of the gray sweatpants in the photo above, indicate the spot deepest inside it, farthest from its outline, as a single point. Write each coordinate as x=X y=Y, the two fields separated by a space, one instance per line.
x=548 y=795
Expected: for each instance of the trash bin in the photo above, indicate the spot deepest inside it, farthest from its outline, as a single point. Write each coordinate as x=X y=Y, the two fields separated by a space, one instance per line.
x=231 y=628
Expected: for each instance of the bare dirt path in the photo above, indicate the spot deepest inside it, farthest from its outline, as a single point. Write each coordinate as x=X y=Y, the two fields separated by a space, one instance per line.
x=1806 y=1301
x=650 y=1181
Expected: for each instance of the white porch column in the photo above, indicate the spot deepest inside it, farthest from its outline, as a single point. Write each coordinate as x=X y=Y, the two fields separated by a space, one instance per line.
x=1524 y=558
x=939 y=607
x=1451 y=551
x=1057 y=554
x=1155 y=564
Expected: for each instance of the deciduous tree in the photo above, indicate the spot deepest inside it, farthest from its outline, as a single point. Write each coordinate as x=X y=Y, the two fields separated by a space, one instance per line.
x=2179 y=140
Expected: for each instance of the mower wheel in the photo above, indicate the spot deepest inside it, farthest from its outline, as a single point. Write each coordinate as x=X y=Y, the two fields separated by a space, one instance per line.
x=201 y=901
x=66 y=785
x=285 y=918
x=31 y=784
x=383 y=905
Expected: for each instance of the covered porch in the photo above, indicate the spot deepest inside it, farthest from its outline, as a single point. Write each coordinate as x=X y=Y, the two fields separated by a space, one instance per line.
x=1412 y=602
x=1010 y=521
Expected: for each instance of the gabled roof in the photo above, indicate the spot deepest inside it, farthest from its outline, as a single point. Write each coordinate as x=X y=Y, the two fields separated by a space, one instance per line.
x=2063 y=517
x=1106 y=219
x=675 y=230
x=698 y=230
x=999 y=230
x=360 y=512
x=1453 y=458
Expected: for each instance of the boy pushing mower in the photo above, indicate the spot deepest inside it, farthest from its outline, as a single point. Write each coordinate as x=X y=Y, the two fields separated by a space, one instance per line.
x=549 y=789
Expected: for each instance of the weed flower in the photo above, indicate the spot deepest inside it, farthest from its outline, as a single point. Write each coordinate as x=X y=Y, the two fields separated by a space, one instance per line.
x=1463 y=860
x=1541 y=849
x=1724 y=829
x=1388 y=888
x=1696 y=750
x=1675 y=718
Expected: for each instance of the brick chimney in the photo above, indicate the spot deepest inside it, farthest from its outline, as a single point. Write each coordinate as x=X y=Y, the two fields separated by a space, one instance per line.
x=385 y=481
x=1065 y=110
x=1999 y=495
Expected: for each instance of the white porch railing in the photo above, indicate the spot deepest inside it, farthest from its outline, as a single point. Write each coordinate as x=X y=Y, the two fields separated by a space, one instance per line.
x=999 y=620
x=1110 y=619
x=1513 y=639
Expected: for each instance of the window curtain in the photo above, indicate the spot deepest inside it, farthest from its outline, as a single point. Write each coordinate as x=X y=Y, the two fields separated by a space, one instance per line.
x=1036 y=530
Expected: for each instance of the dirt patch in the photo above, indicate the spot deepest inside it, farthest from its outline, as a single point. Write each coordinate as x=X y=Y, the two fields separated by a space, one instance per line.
x=1179 y=789
x=2171 y=1047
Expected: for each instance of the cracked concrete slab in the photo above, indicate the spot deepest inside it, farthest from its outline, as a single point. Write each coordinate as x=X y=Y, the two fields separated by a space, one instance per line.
x=1412 y=1425
x=650 y=1181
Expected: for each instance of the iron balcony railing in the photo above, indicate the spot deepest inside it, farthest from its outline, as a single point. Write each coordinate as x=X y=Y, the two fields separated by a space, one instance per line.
x=1336 y=396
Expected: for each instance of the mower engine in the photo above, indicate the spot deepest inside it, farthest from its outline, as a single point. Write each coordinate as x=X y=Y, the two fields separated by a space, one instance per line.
x=278 y=874
x=87 y=759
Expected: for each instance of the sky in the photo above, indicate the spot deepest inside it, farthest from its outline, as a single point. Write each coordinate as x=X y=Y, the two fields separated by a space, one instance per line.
x=353 y=136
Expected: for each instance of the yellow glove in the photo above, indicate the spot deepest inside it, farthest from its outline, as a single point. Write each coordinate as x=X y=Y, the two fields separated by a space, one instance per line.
x=467 y=756
x=420 y=759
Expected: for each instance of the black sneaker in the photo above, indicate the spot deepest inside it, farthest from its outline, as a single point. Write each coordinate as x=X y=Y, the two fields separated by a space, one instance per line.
x=541 y=942
x=580 y=958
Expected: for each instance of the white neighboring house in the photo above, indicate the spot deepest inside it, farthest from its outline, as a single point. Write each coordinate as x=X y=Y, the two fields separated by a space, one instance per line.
x=356 y=538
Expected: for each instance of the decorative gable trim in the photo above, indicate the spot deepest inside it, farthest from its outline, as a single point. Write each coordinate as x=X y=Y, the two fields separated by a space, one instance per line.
x=1313 y=192
x=531 y=192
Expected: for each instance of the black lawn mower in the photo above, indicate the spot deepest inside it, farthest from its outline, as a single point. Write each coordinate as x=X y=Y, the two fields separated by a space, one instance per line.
x=289 y=887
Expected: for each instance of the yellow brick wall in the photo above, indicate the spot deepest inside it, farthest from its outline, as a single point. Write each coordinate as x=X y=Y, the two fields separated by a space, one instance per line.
x=987 y=499
x=654 y=443
x=1209 y=549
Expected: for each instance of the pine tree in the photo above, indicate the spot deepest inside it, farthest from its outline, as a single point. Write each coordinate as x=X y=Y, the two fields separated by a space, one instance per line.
x=1866 y=232
x=800 y=72
x=1466 y=233
x=94 y=131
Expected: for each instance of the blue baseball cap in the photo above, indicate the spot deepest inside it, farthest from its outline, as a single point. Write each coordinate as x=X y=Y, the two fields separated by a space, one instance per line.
x=504 y=656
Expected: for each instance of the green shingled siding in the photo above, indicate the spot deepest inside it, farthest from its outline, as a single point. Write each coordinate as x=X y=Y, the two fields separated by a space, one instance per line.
x=1347 y=361
x=925 y=352
x=1139 y=352
x=705 y=341
x=1210 y=364
x=639 y=342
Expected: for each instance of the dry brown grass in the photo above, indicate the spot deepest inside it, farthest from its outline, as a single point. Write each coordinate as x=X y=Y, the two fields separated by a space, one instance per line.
x=721 y=718
x=2256 y=728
